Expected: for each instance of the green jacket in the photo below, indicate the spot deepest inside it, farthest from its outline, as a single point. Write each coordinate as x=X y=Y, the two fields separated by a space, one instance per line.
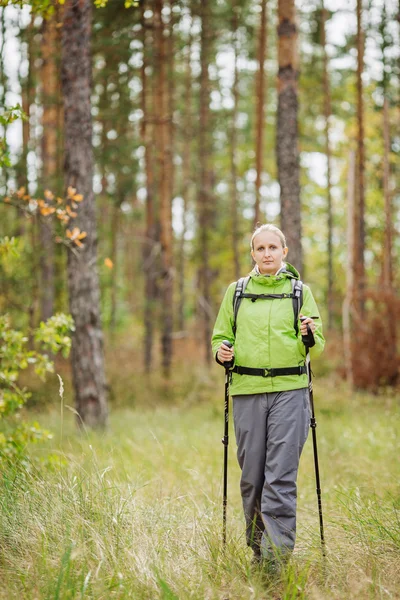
x=265 y=334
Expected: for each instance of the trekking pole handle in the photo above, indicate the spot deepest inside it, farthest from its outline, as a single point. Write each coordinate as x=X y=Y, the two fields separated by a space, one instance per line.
x=308 y=339
x=227 y=364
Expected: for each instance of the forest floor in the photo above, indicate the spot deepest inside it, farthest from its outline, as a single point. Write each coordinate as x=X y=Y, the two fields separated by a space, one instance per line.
x=136 y=511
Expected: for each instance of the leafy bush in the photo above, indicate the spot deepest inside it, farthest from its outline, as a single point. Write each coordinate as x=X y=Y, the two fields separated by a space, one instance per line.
x=53 y=336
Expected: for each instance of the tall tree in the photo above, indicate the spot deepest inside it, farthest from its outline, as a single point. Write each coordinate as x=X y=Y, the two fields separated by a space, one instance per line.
x=260 y=96
x=347 y=308
x=204 y=197
x=359 y=219
x=49 y=80
x=3 y=85
x=388 y=231
x=186 y=176
x=387 y=267
x=328 y=152
x=83 y=284
x=165 y=186
x=27 y=85
x=150 y=242
x=233 y=145
x=287 y=130
x=388 y=356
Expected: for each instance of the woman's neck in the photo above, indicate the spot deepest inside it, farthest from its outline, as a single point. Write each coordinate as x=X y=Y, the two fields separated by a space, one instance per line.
x=283 y=265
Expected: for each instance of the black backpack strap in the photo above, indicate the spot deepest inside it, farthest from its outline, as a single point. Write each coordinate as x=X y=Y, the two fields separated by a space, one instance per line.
x=297 y=290
x=254 y=297
x=237 y=298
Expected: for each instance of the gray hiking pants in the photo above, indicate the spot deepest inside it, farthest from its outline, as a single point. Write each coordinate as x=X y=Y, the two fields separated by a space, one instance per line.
x=271 y=430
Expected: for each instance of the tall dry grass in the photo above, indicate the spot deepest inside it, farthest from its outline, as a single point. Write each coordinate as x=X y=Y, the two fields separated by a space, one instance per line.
x=136 y=512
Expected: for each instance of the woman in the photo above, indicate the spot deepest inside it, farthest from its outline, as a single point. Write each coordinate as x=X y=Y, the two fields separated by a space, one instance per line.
x=270 y=411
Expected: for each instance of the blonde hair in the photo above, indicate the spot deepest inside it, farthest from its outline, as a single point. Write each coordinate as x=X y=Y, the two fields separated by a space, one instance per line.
x=268 y=227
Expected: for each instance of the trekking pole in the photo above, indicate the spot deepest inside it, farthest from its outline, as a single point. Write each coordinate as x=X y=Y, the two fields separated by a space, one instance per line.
x=225 y=441
x=309 y=342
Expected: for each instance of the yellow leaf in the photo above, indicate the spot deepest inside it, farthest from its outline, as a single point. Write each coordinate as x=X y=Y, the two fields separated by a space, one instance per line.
x=70 y=212
x=77 y=197
x=21 y=192
x=108 y=262
x=48 y=195
x=76 y=234
x=71 y=191
x=47 y=210
x=60 y=200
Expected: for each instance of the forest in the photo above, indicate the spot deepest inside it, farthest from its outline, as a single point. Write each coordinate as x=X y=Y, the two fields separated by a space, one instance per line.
x=141 y=144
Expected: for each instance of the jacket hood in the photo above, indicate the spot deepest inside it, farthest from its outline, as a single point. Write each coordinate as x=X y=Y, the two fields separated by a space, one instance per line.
x=287 y=272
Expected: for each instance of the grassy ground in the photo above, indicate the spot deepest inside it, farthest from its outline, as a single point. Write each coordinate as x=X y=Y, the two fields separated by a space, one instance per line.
x=136 y=512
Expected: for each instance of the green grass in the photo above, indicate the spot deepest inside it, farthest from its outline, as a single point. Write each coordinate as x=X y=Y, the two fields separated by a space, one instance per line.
x=136 y=512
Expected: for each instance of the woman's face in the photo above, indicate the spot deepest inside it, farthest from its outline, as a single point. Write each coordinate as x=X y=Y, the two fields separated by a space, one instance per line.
x=268 y=252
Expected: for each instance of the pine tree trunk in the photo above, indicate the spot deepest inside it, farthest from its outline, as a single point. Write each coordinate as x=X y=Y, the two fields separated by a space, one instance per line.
x=348 y=302
x=114 y=259
x=164 y=171
x=287 y=131
x=170 y=100
x=26 y=100
x=150 y=229
x=390 y=360
x=260 y=95
x=204 y=197
x=234 y=177
x=83 y=284
x=359 y=234
x=388 y=234
x=186 y=177
x=49 y=80
x=4 y=87
x=327 y=114
x=26 y=84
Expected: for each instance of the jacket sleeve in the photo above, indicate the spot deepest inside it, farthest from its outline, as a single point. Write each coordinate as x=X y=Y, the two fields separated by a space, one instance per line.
x=310 y=309
x=223 y=328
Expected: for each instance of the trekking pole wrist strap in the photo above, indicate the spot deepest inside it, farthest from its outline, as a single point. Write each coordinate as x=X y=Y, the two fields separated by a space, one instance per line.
x=301 y=370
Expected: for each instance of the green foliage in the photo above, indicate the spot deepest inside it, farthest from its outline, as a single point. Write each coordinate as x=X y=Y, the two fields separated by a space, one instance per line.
x=8 y=116
x=11 y=114
x=15 y=356
x=9 y=246
x=42 y=7
x=46 y=8
x=54 y=334
x=127 y=3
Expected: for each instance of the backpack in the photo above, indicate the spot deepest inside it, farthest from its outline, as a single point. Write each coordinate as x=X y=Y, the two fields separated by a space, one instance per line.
x=296 y=296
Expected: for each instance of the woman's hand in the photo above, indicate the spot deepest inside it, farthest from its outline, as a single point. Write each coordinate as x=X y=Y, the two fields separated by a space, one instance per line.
x=225 y=354
x=303 y=325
